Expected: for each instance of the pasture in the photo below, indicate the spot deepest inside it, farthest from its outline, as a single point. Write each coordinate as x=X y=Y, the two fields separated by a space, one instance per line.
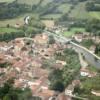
x=7 y=1
x=7 y=30
x=29 y=2
x=72 y=31
x=64 y=8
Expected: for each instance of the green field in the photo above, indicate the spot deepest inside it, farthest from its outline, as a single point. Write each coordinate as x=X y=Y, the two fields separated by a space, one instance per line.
x=54 y=16
x=64 y=8
x=45 y=2
x=8 y=1
x=7 y=30
x=73 y=31
x=80 y=12
x=29 y=2
x=95 y=14
x=18 y=20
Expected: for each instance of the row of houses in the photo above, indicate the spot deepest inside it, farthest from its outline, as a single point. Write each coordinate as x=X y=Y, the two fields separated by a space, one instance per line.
x=26 y=58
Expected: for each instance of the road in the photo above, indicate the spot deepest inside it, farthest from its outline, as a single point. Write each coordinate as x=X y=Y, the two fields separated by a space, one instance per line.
x=90 y=57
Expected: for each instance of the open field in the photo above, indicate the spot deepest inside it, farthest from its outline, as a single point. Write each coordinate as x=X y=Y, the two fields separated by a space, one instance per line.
x=29 y=2
x=18 y=20
x=52 y=16
x=95 y=14
x=64 y=8
x=8 y=1
x=45 y=2
x=73 y=31
x=79 y=12
x=7 y=30
x=48 y=23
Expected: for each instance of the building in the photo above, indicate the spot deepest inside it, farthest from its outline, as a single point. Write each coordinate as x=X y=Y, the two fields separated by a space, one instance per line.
x=69 y=90
x=86 y=72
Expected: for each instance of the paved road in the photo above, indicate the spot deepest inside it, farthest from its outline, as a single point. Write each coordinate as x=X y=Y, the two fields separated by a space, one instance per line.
x=82 y=61
x=90 y=57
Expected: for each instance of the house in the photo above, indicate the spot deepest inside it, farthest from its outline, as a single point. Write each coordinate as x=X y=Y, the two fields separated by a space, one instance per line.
x=45 y=94
x=17 y=25
x=69 y=90
x=75 y=82
x=61 y=62
x=86 y=72
x=92 y=48
x=96 y=93
x=78 y=37
x=41 y=39
x=62 y=96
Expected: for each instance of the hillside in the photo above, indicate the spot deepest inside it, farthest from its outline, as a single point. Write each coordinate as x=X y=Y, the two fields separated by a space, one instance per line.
x=49 y=9
x=56 y=8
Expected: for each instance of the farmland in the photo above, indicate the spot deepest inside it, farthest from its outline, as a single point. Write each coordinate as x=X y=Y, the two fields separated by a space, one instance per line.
x=7 y=30
x=95 y=14
x=51 y=16
x=18 y=20
x=28 y=2
x=64 y=8
x=72 y=31
x=8 y=1
x=79 y=12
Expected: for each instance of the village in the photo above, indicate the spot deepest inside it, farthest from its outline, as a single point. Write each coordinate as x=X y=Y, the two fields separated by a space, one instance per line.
x=24 y=60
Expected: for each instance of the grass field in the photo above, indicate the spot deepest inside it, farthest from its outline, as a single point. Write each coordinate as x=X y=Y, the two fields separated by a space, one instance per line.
x=45 y=2
x=8 y=1
x=80 y=12
x=73 y=31
x=95 y=14
x=54 y=16
x=7 y=30
x=64 y=8
x=18 y=20
x=29 y=2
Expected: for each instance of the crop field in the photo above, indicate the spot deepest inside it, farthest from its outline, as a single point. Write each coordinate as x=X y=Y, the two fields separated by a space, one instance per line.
x=51 y=16
x=8 y=1
x=48 y=23
x=64 y=8
x=73 y=31
x=18 y=20
x=29 y=2
x=45 y=2
x=95 y=14
x=7 y=30
x=79 y=12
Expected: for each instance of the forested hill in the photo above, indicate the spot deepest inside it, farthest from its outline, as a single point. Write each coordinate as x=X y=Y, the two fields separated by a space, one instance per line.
x=78 y=9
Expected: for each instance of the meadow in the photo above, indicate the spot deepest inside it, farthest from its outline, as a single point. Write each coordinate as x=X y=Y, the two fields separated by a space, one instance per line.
x=7 y=30
x=72 y=31
x=29 y=2
x=7 y=1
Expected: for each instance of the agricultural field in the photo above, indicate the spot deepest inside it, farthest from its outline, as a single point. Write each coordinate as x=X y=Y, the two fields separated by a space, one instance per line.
x=45 y=2
x=73 y=31
x=7 y=30
x=7 y=1
x=48 y=23
x=95 y=14
x=52 y=16
x=64 y=8
x=79 y=12
x=29 y=2
x=18 y=20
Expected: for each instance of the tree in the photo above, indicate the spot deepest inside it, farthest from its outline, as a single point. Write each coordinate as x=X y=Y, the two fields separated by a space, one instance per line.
x=57 y=85
x=51 y=40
